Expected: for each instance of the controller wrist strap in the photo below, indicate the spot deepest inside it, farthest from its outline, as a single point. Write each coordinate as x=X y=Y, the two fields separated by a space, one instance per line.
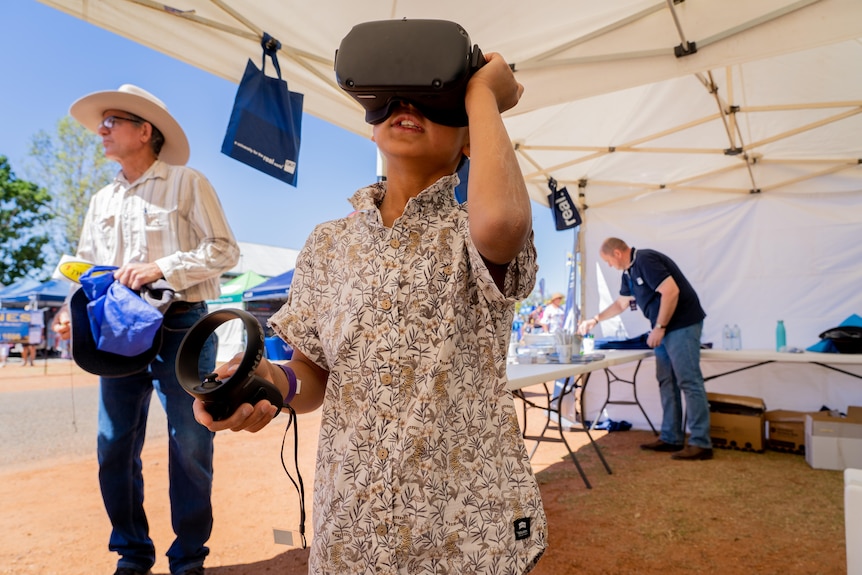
x=297 y=484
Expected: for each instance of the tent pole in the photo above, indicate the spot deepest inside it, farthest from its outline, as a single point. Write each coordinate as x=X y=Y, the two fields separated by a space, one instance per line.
x=301 y=57
x=579 y=253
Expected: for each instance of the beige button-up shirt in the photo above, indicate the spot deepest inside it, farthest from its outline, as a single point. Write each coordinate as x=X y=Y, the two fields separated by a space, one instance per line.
x=172 y=216
x=421 y=468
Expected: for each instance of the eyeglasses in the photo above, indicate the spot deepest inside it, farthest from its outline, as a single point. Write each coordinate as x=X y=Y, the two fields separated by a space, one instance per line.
x=109 y=121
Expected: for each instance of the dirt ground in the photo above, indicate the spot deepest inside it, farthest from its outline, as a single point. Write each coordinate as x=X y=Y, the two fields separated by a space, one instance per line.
x=739 y=513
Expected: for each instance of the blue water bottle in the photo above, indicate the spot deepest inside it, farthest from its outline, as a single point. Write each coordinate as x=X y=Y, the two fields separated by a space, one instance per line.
x=780 y=336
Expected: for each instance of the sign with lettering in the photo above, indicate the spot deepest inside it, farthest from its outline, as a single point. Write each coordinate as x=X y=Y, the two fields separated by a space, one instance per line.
x=14 y=325
x=566 y=215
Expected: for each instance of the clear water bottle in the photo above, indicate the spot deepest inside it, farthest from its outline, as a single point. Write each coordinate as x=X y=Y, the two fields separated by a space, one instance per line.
x=588 y=344
x=726 y=342
x=780 y=336
x=736 y=337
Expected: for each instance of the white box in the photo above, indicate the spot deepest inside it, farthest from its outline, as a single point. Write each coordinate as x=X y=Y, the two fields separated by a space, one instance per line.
x=834 y=442
x=853 y=519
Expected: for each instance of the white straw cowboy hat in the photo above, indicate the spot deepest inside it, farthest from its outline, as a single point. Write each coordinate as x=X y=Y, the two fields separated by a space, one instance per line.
x=89 y=109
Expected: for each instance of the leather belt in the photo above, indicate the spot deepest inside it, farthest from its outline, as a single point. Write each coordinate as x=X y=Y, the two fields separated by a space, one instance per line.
x=184 y=306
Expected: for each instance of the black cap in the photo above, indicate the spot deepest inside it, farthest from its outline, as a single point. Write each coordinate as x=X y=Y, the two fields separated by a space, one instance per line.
x=98 y=362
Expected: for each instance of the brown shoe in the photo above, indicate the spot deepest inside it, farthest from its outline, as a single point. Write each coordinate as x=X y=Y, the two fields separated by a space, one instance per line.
x=693 y=452
x=659 y=445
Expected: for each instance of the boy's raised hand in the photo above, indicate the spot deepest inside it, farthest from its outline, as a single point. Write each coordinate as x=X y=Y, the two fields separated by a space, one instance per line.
x=497 y=77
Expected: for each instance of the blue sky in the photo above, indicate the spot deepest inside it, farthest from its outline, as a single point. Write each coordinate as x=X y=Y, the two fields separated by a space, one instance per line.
x=51 y=59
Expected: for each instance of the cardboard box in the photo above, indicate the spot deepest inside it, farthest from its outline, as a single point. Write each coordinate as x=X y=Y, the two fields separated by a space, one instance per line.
x=834 y=442
x=736 y=422
x=785 y=430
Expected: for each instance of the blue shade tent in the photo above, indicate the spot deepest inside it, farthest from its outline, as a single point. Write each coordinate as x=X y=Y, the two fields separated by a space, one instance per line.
x=273 y=288
x=268 y=297
x=17 y=287
x=51 y=291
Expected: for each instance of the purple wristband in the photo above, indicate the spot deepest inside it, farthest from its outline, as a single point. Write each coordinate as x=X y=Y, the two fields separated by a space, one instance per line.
x=291 y=380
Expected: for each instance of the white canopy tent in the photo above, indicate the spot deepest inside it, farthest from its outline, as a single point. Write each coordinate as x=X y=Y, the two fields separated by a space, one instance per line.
x=563 y=50
x=725 y=134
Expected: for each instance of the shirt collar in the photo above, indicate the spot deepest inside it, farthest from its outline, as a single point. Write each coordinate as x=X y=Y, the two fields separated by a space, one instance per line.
x=438 y=196
x=157 y=169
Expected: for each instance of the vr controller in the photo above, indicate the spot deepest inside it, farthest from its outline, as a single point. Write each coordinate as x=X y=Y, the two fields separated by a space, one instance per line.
x=424 y=62
x=222 y=398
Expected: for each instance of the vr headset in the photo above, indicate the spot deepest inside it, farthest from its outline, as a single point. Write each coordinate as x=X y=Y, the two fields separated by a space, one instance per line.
x=426 y=63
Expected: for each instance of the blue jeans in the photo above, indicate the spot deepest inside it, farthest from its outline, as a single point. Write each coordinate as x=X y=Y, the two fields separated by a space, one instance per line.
x=677 y=367
x=123 y=408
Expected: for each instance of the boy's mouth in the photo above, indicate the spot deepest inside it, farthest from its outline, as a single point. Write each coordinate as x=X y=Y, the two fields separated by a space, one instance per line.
x=407 y=121
x=408 y=124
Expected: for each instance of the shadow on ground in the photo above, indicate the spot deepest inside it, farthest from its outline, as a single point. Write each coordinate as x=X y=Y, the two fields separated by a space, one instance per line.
x=294 y=562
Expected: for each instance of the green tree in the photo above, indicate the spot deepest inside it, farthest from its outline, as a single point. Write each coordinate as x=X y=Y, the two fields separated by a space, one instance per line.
x=24 y=213
x=72 y=165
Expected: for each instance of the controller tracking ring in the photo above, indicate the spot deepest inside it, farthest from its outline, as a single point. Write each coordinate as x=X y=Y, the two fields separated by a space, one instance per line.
x=222 y=397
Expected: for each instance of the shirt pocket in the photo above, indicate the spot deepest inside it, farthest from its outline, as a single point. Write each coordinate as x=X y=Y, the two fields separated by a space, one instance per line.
x=158 y=223
x=106 y=232
x=106 y=225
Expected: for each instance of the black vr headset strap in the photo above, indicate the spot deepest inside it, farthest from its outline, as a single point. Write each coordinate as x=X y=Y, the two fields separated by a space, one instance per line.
x=270 y=46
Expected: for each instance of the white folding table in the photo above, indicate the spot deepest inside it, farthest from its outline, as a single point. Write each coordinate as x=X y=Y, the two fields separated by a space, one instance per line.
x=572 y=376
x=757 y=357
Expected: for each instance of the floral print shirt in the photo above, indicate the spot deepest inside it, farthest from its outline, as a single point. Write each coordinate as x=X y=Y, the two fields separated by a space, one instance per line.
x=421 y=468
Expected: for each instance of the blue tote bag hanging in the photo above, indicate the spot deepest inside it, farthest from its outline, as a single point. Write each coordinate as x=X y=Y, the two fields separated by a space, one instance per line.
x=265 y=125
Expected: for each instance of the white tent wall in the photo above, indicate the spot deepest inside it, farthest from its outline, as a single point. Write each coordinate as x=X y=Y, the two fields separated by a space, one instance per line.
x=752 y=261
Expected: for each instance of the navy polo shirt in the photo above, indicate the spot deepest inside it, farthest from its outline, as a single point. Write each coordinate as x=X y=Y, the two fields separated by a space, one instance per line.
x=648 y=269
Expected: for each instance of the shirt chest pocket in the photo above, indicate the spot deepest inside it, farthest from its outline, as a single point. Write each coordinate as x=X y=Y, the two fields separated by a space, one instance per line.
x=106 y=225
x=158 y=224
x=107 y=232
x=157 y=218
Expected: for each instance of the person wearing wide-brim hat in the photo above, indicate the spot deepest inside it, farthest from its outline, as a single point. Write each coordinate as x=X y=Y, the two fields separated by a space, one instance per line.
x=158 y=221
x=140 y=105
x=553 y=316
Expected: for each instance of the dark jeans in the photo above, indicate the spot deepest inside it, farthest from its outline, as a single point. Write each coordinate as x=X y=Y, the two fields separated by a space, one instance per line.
x=677 y=363
x=123 y=408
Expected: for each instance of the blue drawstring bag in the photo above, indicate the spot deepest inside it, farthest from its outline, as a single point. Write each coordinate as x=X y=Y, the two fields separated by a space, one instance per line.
x=121 y=322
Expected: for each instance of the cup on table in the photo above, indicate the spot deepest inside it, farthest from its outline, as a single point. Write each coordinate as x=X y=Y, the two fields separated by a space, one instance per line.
x=564 y=352
x=589 y=345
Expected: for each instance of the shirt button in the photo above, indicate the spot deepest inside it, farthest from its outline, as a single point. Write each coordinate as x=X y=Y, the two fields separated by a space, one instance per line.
x=394 y=243
x=386 y=304
x=382 y=453
x=381 y=529
x=386 y=379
